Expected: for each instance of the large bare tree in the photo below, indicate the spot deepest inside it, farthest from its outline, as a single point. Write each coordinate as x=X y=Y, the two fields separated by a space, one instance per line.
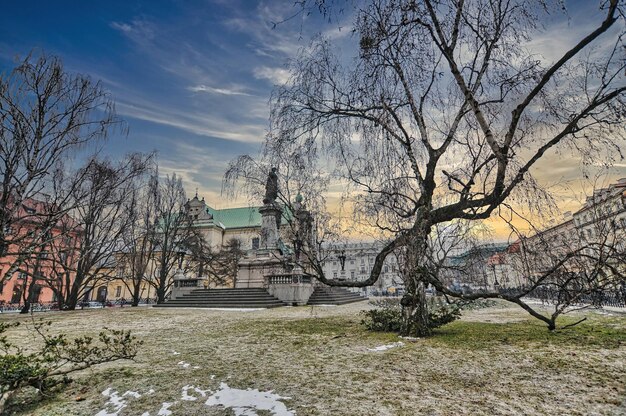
x=444 y=113
x=99 y=219
x=46 y=114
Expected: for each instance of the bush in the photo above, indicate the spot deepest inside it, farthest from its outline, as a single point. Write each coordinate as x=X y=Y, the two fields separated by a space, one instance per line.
x=387 y=317
x=58 y=357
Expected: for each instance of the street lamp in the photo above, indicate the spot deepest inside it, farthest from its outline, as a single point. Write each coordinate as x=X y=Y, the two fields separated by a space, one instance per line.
x=342 y=259
x=496 y=285
x=181 y=255
x=297 y=245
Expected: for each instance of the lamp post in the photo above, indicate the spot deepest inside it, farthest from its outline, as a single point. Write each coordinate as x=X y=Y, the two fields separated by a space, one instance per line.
x=297 y=245
x=342 y=261
x=181 y=256
x=496 y=285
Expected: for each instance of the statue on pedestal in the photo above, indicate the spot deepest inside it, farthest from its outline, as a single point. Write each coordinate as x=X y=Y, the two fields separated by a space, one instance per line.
x=271 y=187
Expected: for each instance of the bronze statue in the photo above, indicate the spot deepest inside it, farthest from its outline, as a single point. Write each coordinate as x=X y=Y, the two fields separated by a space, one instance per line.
x=271 y=187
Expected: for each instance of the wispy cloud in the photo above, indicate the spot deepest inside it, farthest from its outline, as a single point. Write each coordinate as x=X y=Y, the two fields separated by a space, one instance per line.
x=222 y=91
x=136 y=30
x=277 y=76
x=201 y=124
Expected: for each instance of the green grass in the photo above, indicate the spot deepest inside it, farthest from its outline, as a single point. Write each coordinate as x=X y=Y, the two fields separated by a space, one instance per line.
x=494 y=361
x=481 y=335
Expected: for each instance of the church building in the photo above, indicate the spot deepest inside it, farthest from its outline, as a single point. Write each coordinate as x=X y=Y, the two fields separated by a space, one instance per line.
x=219 y=226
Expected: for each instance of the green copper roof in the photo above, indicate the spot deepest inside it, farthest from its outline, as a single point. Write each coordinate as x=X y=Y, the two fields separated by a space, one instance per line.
x=237 y=217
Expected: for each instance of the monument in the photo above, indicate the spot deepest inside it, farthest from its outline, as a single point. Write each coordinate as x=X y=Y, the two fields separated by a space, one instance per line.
x=271 y=266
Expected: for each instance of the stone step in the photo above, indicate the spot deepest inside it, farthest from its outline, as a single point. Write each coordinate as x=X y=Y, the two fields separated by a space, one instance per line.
x=333 y=296
x=231 y=296
x=225 y=298
x=220 y=305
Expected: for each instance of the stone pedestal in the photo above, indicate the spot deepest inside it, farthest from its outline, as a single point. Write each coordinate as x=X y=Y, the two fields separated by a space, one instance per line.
x=184 y=284
x=252 y=270
x=294 y=288
x=270 y=223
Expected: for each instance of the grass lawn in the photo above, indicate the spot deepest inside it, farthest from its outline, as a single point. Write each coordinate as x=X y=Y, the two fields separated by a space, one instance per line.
x=494 y=361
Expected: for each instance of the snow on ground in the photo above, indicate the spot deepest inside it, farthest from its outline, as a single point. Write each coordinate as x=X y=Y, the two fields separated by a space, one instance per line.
x=116 y=402
x=184 y=364
x=164 y=411
x=241 y=402
x=245 y=402
x=187 y=397
x=387 y=347
x=223 y=309
x=410 y=339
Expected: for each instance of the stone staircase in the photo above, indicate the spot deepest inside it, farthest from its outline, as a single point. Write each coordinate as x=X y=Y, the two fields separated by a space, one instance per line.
x=327 y=295
x=224 y=298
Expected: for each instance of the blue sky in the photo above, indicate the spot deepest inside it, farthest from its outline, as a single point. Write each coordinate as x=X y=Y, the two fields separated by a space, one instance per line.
x=193 y=78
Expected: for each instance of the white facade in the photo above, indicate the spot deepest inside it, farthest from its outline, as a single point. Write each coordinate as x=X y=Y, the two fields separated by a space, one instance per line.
x=360 y=258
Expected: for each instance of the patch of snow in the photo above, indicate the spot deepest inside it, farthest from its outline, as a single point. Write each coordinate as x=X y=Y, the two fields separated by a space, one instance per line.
x=212 y=376
x=116 y=402
x=187 y=397
x=175 y=352
x=226 y=309
x=164 y=411
x=145 y=414
x=245 y=402
x=195 y=367
x=325 y=306
x=387 y=347
x=184 y=364
x=411 y=339
x=151 y=391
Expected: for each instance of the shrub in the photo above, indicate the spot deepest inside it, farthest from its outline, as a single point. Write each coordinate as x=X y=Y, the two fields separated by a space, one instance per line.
x=387 y=317
x=51 y=365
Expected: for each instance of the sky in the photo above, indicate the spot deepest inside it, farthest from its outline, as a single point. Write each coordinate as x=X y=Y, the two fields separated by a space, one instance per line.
x=193 y=78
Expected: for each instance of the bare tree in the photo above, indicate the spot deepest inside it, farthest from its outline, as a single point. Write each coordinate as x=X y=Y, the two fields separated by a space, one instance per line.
x=99 y=221
x=45 y=115
x=174 y=233
x=218 y=265
x=139 y=243
x=444 y=114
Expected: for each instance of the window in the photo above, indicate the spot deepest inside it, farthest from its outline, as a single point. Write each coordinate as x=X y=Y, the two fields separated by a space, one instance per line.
x=386 y=269
x=21 y=275
x=351 y=261
x=118 y=291
x=255 y=243
x=351 y=276
x=334 y=275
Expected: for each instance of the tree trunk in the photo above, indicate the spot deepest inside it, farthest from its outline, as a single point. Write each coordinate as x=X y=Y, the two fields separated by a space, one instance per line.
x=160 y=295
x=415 y=315
x=136 y=296
x=415 y=319
x=26 y=308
